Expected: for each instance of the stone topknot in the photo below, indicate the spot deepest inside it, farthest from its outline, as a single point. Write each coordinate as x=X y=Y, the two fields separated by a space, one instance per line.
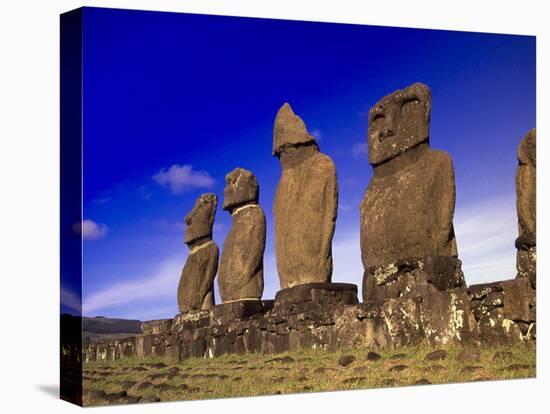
x=289 y=130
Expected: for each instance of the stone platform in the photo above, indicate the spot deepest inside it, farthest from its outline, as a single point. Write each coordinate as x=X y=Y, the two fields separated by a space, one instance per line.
x=329 y=316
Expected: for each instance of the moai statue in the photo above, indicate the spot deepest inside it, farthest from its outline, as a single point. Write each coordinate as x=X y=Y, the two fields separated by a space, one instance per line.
x=241 y=275
x=526 y=203
x=306 y=202
x=407 y=238
x=195 y=289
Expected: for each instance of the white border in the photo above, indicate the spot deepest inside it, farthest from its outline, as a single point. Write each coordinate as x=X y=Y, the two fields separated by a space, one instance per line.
x=29 y=136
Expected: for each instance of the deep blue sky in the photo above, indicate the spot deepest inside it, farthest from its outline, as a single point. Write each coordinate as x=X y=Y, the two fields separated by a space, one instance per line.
x=164 y=89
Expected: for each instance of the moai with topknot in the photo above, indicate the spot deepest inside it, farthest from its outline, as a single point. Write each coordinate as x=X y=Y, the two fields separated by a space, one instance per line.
x=306 y=202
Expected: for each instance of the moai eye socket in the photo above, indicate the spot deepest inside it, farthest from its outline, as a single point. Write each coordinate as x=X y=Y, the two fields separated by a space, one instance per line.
x=413 y=100
x=377 y=117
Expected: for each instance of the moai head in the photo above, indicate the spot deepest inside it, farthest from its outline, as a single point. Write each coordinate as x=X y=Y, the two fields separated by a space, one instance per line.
x=398 y=122
x=201 y=219
x=241 y=188
x=527 y=150
x=290 y=134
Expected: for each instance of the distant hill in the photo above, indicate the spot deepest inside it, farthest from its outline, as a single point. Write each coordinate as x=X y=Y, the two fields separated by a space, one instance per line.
x=101 y=325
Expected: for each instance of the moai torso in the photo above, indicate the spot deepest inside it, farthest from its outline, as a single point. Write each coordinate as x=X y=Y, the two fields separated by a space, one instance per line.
x=195 y=289
x=408 y=243
x=409 y=214
x=241 y=265
x=305 y=206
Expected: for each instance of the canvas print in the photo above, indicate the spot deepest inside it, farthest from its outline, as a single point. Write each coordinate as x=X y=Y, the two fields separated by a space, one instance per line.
x=258 y=206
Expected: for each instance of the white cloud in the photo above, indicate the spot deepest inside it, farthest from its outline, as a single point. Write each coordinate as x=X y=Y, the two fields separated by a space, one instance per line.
x=160 y=284
x=90 y=230
x=181 y=178
x=360 y=150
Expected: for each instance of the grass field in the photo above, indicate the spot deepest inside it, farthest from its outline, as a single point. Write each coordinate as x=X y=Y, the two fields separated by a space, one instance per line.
x=149 y=380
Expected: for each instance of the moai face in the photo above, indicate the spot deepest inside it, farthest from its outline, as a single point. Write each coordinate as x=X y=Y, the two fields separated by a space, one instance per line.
x=289 y=131
x=399 y=122
x=527 y=151
x=201 y=219
x=241 y=188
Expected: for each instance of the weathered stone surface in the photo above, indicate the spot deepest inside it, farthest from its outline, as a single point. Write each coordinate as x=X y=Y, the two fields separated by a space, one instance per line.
x=361 y=325
x=526 y=204
x=412 y=277
x=505 y=311
x=331 y=294
x=402 y=317
x=241 y=265
x=446 y=317
x=408 y=208
x=159 y=326
x=526 y=184
x=306 y=198
x=190 y=320
x=195 y=289
x=327 y=316
x=526 y=264
x=226 y=313
x=520 y=301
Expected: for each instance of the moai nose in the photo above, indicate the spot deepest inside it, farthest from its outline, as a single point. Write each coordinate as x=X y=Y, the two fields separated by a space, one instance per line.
x=187 y=220
x=385 y=132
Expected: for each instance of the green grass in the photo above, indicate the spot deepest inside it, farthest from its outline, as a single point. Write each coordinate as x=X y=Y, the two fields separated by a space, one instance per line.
x=252 y=375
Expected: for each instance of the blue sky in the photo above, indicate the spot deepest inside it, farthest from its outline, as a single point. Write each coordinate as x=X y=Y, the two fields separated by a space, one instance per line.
x=173 y=102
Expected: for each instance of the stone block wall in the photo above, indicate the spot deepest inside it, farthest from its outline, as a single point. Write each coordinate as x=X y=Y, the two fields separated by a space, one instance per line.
x=329 y=316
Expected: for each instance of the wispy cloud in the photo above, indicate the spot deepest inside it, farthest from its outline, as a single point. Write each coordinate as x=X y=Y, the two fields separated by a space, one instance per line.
x=346 y=258
x=360 y=150
x=90 y=230
x=317 y=135
x=181 y=178
x=485 y=233
x=70 y=300
x=173 y=226
x=161 y=284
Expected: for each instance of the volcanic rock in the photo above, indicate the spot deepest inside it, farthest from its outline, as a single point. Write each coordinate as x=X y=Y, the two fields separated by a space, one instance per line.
x=305 y=205
x=408 y=208
x=241 y=265
x=195 y=290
